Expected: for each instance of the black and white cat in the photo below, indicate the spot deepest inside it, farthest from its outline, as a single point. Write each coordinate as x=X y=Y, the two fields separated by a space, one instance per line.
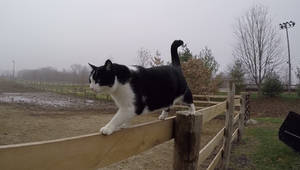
x=137 y=90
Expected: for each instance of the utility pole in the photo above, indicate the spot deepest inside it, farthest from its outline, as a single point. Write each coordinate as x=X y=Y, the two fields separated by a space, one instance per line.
x=14 y=69
x=286 y=26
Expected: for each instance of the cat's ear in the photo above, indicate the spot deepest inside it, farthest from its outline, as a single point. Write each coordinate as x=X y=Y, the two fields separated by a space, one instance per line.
x=92 y=66
x=108 y=64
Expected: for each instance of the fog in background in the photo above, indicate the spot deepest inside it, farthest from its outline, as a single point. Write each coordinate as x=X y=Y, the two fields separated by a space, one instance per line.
x=60 y=33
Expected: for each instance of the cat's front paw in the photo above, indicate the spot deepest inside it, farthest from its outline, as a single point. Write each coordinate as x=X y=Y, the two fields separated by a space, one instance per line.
x=163 y=116
x=106 y=130
x=124 y=125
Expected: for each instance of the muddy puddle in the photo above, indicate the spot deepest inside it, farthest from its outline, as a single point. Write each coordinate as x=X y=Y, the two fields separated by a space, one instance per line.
x=45 y=99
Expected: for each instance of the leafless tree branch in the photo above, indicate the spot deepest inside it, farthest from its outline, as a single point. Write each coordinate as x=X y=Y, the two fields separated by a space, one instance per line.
x=258 y=44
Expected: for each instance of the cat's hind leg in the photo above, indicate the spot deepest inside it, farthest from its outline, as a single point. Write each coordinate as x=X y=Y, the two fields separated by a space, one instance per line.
x=164 y=114
x=192 y=109
x=188 y=100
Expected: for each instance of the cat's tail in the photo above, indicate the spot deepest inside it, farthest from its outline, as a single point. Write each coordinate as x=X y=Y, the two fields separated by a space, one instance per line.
x=174 y=53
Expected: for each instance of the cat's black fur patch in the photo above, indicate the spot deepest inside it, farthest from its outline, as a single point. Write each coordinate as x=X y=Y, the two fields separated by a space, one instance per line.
x=158 y=87
x=154 y=88
x=105 y=76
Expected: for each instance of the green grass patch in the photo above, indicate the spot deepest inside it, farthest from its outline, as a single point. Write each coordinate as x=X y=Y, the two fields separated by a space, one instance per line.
x=266 y=120
x=66 y=89
x=254 y=95
x=284 y=96
x=263 y=150
x=289 y=96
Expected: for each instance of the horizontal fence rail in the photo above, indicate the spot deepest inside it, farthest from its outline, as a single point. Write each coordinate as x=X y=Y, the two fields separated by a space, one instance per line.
x=214 y=96
x=234 y=135
x=186 y=107
x=88 y=151
x=211 y=112
x=226 y=134
x=214 y=163
x=236 y=119
x=209 y=148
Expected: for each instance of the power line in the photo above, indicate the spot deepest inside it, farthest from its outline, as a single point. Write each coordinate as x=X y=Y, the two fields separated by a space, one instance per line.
x=14 y=69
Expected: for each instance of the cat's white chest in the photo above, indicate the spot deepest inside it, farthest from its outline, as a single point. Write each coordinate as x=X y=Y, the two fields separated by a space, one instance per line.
x=124 y=96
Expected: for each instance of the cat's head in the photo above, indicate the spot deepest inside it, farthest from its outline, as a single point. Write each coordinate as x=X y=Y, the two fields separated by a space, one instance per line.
x=102 y=78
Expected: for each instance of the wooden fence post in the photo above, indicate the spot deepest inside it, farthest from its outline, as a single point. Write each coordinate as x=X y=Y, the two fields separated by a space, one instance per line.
x=228 y=126
x=242 y=116
x=187 y=141
x=84 y=93
x=247 y=106
x=61 y=88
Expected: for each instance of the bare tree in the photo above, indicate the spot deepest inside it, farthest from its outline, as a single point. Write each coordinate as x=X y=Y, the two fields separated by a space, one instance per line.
x=80 y=73
x=258 y=44
x=298 y=74
x=209 y=60
x=83 y=75
x=156 y=60
x=144 y=57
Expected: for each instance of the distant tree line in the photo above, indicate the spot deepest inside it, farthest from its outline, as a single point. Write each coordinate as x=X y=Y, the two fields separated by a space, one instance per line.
x=76 y=74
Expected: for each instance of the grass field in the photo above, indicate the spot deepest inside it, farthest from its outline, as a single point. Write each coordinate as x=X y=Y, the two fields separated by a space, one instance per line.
x=261 y=149
x=285 y=95
x=66 y=89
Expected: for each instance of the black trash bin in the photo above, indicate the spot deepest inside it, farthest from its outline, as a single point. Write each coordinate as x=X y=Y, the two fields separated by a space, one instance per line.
x=289 y=132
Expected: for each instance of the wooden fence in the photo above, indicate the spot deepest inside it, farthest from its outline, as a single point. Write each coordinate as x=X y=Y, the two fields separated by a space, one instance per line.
x=80 y=90
x=95 y=151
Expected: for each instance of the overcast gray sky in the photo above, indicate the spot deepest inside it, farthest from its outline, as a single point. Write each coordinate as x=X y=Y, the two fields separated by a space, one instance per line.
x=58 y=33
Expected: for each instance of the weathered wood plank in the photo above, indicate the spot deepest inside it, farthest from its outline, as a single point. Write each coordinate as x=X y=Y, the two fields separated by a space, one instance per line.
x=235 y=119
x=215 y=96
x=187 y=107
x=88 y=151
x=187 y=141
x=216 y=160
x=206 y=102
x=237 y=102
x=242 y=117
x=228 y=126
x=234 y=135
x=211 y=112
x=209 y=148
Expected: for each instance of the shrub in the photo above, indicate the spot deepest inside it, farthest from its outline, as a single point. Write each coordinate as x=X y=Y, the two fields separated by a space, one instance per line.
x=237 y=74
x=298 y=90
x=272 y=86
x=199 y=77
